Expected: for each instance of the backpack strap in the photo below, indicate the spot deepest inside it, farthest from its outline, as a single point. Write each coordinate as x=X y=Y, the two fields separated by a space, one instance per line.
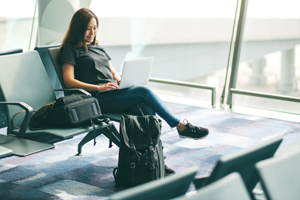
x=133 y=150
x=141 y=112
x=151 y=148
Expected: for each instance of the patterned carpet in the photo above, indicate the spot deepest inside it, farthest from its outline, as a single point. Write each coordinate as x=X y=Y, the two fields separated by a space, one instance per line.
x=59 y=174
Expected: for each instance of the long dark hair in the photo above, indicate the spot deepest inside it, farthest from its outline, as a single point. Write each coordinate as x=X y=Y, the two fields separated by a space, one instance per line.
x=77 y=28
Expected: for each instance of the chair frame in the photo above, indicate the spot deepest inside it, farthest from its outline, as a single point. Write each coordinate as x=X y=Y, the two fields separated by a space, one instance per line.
x=276 y=172
x=5 y=151
x=19 y=141
x=242 y=162
x=165 y=188
x=230 y=187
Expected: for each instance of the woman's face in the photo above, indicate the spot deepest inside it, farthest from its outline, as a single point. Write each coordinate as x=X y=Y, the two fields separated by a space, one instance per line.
x=91 y=31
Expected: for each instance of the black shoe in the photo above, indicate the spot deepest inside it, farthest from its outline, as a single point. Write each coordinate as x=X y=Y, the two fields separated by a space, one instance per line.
x=195 y=132
x=168 y=171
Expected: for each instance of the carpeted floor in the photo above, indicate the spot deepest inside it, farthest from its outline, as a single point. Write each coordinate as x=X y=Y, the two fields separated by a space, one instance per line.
x=59 y=174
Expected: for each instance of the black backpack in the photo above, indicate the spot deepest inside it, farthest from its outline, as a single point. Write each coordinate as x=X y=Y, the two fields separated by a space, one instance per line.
x=140 y=155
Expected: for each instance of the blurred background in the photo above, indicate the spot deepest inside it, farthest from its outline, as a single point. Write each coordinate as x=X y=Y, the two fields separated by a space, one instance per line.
x=192 y=41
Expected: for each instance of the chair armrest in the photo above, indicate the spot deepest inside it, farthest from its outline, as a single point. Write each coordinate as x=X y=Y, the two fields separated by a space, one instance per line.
x=28 y=113
x=75 y=89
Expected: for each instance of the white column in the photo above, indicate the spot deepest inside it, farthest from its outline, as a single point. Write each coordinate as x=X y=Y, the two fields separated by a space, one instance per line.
x=287 y=71
x=258 y=76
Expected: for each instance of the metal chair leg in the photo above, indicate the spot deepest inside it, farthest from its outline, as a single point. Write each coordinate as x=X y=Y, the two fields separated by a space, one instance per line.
x=109 y=131
x=90 y=136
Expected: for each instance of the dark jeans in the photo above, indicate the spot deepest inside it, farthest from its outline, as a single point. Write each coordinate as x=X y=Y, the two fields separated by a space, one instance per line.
x=121 y=100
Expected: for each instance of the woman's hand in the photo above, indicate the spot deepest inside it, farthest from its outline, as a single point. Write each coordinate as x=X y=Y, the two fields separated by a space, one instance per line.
x=109 y=86
x=70 y=81
x=116 y=76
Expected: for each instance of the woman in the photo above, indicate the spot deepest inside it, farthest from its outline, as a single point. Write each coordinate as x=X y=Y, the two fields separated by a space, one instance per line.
x=86 y=65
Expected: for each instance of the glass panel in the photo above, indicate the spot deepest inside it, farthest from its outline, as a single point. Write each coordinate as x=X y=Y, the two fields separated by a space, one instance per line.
x=270 y=53
x=16 y=23
x=189 y=39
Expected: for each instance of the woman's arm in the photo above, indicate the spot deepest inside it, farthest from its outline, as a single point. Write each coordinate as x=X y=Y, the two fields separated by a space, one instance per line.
x=116 y=76
x=71 y=82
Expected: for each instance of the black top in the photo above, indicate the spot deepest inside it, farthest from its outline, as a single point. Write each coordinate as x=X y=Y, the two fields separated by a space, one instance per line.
x=91 y=66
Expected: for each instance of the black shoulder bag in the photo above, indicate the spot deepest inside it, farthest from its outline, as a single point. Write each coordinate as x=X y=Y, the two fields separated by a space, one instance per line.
x=65 y=112
x=68 y=111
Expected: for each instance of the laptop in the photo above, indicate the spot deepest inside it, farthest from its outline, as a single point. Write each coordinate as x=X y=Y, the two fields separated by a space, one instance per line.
x=135 y=72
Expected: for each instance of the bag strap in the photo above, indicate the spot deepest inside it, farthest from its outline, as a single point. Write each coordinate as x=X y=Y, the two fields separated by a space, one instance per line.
x=94 y=130
x=133 y=149
x=151 y=148
x=12 y=119
x=138 y=106
x=115 y=171
x=99 y=121
x=149 y=138
x=106 y=120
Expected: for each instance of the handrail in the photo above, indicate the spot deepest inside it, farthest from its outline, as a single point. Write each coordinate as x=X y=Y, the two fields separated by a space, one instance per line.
x=264 y=95
x=188 y=84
